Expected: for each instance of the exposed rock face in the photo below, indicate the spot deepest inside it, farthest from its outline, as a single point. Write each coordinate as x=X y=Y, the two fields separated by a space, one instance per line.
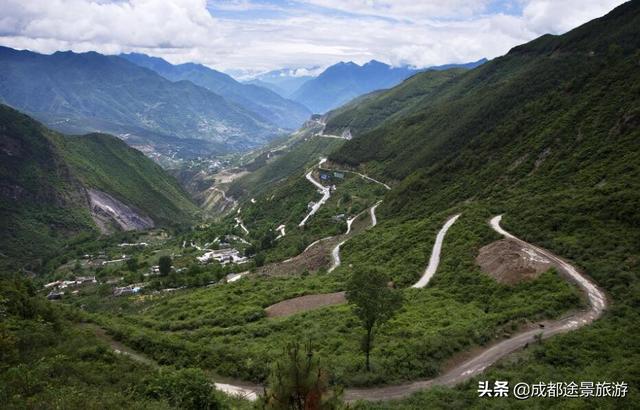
x=509 y=262
x=108 y=213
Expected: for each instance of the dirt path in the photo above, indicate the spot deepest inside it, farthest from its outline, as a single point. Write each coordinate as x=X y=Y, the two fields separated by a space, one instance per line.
x=488 y=356
x=468 y=368
x=237 y=388
x=335 y=252
x=241 y=225
x=434 y=260
x=325 y=191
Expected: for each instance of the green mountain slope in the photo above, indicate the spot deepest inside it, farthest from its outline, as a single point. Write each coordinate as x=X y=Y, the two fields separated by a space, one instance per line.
x=103 y=162
x=45 y=180
x=369 y=111
x=303 y=153
x=547 y=135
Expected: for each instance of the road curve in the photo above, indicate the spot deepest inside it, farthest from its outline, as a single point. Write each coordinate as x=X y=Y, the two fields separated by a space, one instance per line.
x=434 y=260
x=335 y=252
x=475 y=365
x=325 y=191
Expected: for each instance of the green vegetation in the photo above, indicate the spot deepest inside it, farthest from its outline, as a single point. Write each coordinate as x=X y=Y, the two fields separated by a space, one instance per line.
x=304 y=153
x=98 y=92
x=49 y=360
x=297 y=382
x=287 y=204
x=373 y=303
x=43 y=202
x=547 y=135
x=106 y=163
x=369 y=111
x=164 y=265
x=223 y=328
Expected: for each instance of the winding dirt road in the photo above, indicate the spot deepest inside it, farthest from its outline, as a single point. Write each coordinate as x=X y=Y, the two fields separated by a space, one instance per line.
x=335 y=253
x=325 y=191
x=479 y=362
x=487 y=357
x=434 y=260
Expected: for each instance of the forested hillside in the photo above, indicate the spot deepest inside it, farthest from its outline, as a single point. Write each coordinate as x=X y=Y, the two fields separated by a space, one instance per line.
x=548 y=135
x=369 y=111
x=45 y=178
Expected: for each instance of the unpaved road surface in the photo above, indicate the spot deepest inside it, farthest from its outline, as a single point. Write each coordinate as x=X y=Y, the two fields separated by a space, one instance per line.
x=434 y=260
x=487 y=357
x=231 y=387
x=479 y=362
x=335 y=252
x=325 y=191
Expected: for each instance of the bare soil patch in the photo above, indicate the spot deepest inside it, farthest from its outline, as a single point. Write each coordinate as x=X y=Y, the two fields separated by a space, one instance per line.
x=305 y=303
x=510 y=262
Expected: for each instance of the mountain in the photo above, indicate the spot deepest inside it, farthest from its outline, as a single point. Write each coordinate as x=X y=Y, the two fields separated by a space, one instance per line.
x=263 y=84
x=546 y=135
x=90 y=92
x=54 y=187
x=343 y=82
x=368 y=111
x=285 y=81
x=264 y=102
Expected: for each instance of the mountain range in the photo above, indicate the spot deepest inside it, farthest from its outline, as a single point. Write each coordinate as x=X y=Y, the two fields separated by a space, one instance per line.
x=90 y=92
x=262 y=101
x=543 y=140
x=343 y=82
x=286 y=80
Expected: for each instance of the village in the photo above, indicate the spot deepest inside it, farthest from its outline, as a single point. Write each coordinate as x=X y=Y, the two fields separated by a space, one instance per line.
x=107 y=267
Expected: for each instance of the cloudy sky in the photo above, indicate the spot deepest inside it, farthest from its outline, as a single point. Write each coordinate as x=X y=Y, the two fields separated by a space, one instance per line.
x=250 y=36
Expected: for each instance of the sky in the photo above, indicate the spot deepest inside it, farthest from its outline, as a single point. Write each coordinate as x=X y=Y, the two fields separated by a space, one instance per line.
x=247 y=37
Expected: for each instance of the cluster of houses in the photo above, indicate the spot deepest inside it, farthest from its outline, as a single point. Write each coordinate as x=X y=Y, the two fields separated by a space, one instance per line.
x=224 y=256
x=128 y=290
x=57 y=288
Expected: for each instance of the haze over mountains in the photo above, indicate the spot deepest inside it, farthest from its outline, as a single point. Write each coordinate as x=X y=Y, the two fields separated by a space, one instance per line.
x=268 y=104
x=285 y=81
x=184 y=110
x=89 y=92
x=343 y=82
x=177 y=310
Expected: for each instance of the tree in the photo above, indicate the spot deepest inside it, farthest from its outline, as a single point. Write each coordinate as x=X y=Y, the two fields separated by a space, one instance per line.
x=373 y=302
x=259 y=259
x=132 y=264
x=164 y=264
x=298 y=382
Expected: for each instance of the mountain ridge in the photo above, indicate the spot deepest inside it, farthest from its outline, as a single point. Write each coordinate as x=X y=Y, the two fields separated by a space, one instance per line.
x=264 y=102
x=90 y=92
x=51 y=186
x=344 y=81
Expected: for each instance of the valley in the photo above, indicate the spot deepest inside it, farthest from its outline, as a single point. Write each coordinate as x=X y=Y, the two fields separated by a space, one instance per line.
x=437 y=230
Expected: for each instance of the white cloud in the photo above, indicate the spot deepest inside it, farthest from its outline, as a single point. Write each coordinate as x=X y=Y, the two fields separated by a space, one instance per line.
x=549 y=16
x=420 y=33
x=405 y=9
